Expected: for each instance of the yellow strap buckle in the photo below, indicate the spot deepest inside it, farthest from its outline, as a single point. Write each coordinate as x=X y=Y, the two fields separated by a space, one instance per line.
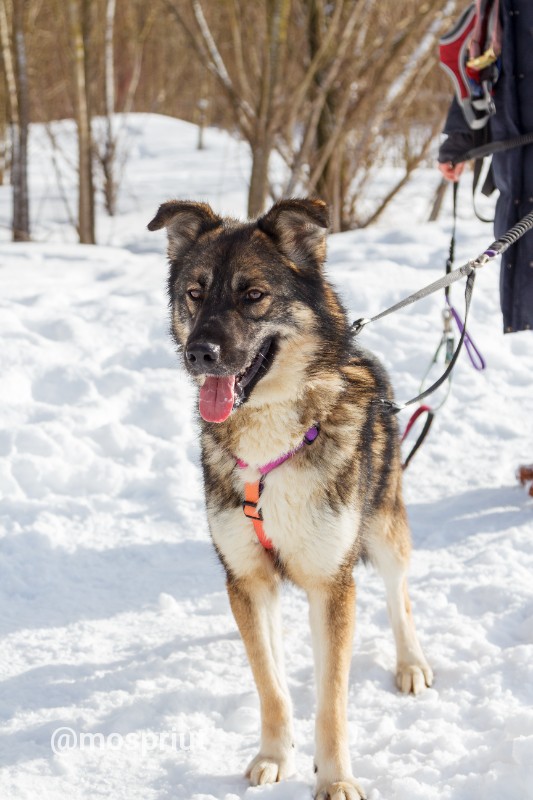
x=484 y=60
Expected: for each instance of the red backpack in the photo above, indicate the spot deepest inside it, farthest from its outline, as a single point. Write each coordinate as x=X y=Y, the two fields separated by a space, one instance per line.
x=469 y=54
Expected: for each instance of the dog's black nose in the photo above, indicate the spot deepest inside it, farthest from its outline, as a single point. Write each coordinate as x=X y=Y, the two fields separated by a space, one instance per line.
x=202 y=355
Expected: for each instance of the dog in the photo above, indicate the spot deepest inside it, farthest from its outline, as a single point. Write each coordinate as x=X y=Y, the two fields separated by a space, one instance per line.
x=300 y=457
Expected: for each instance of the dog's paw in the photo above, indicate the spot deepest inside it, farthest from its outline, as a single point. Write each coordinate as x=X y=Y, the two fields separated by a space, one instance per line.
x=414 y=677
x=348 y=789
x=266 y=769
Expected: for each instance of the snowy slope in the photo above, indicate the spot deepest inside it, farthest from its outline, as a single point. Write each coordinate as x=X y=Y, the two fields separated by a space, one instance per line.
x=113 y=614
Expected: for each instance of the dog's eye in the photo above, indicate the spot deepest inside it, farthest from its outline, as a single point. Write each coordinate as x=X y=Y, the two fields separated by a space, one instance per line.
x=254 y=295
x=195 y=294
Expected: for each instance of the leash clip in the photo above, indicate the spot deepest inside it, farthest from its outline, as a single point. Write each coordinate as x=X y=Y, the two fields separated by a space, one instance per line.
x=448 y=339
x=481 y=260
x=359 y=324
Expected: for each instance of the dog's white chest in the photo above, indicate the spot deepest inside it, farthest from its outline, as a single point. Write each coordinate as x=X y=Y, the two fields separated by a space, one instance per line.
x=311 y=538
x=302 y=525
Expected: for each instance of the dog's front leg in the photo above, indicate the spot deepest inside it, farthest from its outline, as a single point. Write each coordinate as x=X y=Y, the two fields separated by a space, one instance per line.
x=332 y=616
x=256 y=607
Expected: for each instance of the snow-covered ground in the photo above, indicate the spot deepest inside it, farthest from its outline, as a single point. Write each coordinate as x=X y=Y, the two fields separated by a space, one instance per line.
x=114 y=620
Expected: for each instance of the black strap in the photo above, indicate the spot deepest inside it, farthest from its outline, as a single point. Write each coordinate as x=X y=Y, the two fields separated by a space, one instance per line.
x=451 y=255
x=495 y=147
x=430 y=416
x=488 y=149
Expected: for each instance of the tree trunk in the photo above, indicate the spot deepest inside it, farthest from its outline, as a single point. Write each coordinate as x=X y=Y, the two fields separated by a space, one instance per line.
x=3 y=146
x=85 y=149
x=110 y=146
x=16 y=75
x=258 y=191
x=11 y=104
x=438 y=200
x=262 y=142
x=21 y=202
x=328 y=185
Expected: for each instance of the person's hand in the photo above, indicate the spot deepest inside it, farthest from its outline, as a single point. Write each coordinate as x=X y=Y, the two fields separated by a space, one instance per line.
x=451 y=172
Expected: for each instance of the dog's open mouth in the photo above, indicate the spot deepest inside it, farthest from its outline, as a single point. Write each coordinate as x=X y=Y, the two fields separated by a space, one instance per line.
x=221 y=393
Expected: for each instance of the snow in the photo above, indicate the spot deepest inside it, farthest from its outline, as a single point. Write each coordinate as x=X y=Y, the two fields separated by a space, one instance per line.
x=114 y=618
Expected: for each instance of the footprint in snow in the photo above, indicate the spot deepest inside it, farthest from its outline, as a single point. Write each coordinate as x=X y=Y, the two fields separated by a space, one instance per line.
x=60 y=387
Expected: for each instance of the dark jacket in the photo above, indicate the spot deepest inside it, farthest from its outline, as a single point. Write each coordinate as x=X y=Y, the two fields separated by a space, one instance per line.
x=512 y=170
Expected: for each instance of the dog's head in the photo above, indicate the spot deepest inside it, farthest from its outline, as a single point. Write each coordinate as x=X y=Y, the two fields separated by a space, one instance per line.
x=251 y=311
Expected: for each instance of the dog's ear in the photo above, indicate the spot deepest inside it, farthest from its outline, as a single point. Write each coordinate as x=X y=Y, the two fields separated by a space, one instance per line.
x=185 y=221
x=299 y=228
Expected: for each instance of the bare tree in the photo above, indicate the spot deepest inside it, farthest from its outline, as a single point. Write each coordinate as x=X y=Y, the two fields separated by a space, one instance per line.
x=267 y=118
x=10 y=104
x=320 y=104
x=78 y=12
x=361 y=100
x=337 y=89
x=107 y=157
x=3 y=137
x=16 y=75
x=108 y=149
x=332 y=102
x=438 y=199
x=21 y=199
x=253 y=81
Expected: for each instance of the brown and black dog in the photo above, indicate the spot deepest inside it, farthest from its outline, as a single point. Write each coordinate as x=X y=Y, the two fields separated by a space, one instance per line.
x=268 y=342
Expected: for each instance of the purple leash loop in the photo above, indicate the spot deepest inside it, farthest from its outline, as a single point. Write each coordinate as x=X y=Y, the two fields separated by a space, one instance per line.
x=476 y=358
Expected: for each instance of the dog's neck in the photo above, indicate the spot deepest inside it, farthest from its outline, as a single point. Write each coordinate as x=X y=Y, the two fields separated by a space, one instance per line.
x=260 y=434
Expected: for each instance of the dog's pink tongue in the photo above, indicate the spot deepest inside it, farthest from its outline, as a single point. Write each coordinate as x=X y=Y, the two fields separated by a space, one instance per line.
x=217 y=396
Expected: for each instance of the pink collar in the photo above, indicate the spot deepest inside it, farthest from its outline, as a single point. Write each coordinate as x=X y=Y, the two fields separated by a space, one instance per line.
x=309 y=438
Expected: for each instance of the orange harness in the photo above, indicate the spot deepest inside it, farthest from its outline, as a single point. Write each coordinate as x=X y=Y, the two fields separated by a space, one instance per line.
x=252 y=491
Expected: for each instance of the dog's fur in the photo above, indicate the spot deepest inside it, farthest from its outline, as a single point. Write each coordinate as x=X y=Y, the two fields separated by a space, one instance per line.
x=234 y=286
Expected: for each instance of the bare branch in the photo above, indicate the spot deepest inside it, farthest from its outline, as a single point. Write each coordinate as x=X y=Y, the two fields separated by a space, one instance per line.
x=207 y=50
x=238 y=51
x=7 y=58
x=316 y=62
x=212 y=49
